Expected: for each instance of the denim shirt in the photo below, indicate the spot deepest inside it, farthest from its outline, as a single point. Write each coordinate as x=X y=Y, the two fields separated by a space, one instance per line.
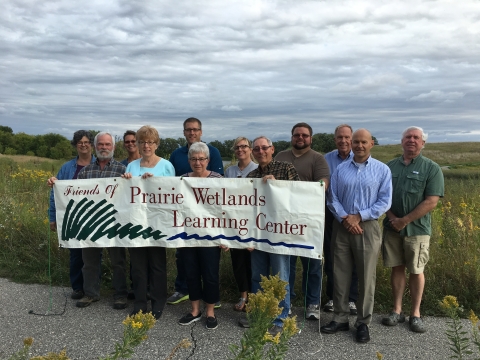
x=66 y=172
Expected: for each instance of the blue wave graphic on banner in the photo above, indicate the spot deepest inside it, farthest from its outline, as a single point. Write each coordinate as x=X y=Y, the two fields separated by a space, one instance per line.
x=185 y=236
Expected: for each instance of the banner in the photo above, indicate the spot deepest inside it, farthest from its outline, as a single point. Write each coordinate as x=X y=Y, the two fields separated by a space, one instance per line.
x=285 y=217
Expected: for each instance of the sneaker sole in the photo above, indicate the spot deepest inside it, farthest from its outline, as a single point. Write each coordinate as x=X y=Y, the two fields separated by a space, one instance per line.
x=191 y=322
x=312 y=317
x=185 y=298
x=84 y=305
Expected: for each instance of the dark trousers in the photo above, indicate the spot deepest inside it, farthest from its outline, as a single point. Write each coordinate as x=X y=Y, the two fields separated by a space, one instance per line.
x=92 y=267
x=328 y=237
x=181 y=279
x=242 y=269
x=202 y=270
x=76 y=265
x=149 y=269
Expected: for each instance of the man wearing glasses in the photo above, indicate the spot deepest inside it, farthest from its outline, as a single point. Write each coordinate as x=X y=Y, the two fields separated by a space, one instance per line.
x=130 y=144
x=311 y=166
x=269 y=169
x=192 y=130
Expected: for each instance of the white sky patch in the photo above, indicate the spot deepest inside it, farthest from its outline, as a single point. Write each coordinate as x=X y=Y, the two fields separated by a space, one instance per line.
x=438 y=95
x=231 y=108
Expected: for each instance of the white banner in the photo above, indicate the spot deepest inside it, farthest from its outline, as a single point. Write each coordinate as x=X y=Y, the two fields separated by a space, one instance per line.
x=285 y=217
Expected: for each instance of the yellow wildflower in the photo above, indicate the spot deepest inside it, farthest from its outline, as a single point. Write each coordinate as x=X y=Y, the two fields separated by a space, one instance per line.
x=449 y=302
x=379 y=355
x=273 y=339
x=473 y=318
x=28 y=341
x=290 y=326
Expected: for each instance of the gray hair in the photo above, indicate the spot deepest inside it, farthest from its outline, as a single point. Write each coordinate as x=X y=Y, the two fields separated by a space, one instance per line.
x=101 y=134
x=424 y=135
x=269 y=142
x=198 y=147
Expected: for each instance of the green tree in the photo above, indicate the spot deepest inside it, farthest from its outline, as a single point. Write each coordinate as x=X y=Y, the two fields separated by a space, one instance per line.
x=323 y=142
x=23 y=143
x=280 y=145
x=63 y=150
x=6 y=129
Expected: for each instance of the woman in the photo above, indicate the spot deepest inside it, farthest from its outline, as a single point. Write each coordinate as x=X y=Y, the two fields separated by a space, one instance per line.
x=241 y=264
x=149 y=264
x=82 y=142
x=203 y=262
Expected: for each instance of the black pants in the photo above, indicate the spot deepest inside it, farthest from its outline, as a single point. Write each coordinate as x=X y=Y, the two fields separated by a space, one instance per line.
x=242 y=269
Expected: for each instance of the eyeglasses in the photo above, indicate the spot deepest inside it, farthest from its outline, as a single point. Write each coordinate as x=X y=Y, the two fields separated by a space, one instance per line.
x=83 y=143
x=264 y=148
x=194 y=160
x=192 y=130
x=241 y=147
x=129 y=142
x=149 y=143
x=296 y=136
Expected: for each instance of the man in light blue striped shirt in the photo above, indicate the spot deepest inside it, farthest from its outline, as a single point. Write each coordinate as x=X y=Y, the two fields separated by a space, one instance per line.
x=360 y=192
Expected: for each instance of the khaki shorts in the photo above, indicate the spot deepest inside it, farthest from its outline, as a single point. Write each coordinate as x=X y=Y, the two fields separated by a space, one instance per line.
x=411 y=251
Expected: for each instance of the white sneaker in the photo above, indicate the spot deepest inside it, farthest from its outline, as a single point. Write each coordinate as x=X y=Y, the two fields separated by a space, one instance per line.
x=353 y=308
x=313 y=312
x=328 y=307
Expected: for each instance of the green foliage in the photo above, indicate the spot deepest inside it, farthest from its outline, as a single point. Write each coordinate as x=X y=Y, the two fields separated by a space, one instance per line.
x=6 y=129
x=457 y=336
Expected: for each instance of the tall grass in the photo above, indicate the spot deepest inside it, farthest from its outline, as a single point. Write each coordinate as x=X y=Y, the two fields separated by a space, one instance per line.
x=454 y=267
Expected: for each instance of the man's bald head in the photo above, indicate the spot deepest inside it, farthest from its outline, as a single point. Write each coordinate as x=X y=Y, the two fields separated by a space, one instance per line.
x=362 y=143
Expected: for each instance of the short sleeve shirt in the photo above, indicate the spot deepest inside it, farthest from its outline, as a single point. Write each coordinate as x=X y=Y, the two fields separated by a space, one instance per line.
x=310 y=166
x=411 y=184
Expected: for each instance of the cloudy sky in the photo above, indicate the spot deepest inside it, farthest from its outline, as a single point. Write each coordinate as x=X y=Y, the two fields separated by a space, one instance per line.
x=248 y=67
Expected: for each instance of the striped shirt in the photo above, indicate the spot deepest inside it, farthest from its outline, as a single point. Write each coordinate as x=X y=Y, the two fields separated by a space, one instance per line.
x=93 y=171
x=364 y=189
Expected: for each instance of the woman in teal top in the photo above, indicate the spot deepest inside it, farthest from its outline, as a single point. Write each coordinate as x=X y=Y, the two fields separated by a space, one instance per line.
x=149 y=264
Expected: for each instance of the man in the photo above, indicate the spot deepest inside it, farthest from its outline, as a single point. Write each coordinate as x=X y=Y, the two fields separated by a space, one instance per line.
x=417 y=186
x=311 y=166
x=104 y=167
x=269 y=169
x=343 y=142
x=130 y=144
x=360 y=192
x=192 y=130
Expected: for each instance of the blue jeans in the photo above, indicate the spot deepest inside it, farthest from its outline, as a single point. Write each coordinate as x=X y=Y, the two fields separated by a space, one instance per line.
x=311 y=278
x=181 y=279
x=76 y=265
x=280 y=264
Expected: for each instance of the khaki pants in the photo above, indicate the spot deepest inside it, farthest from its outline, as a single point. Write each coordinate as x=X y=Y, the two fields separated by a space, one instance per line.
x=360 y=250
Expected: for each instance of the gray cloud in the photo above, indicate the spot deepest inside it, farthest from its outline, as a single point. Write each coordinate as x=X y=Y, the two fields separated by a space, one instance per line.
x=242 y=67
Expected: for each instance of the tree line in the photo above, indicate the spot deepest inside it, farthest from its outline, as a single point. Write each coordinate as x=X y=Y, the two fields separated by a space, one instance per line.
x=56 y=146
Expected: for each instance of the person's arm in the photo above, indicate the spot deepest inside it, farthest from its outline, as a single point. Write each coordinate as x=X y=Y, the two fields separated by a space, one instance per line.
x=321 y=170
x=333 y=201
x=421 y=210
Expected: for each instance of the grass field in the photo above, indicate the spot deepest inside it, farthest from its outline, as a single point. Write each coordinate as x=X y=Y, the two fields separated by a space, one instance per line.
x=29 y=251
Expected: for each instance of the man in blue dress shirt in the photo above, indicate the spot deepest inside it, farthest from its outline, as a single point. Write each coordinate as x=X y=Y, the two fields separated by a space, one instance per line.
x=360 y=192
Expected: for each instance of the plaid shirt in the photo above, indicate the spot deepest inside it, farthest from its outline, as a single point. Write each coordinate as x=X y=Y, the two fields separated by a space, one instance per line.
x=93 y=171
x=280 y=169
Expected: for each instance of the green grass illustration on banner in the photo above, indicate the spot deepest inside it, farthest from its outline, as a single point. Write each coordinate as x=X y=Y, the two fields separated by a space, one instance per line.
x=96 y=220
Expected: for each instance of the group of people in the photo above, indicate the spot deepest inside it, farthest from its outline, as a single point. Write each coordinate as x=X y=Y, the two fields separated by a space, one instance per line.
x=359 y=190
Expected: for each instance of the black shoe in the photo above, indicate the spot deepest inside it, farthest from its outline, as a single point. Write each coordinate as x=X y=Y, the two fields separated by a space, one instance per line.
x=334 y=326
x=212 y=323
x=157 y=314
x=77 y=294
x=135 y=312
x=363 y=336
x=120 y=303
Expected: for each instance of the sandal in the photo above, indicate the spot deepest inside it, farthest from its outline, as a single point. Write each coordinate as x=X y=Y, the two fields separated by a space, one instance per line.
x=240 y=306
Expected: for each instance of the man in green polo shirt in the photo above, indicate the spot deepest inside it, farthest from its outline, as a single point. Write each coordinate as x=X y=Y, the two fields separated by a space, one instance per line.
x=417 y=186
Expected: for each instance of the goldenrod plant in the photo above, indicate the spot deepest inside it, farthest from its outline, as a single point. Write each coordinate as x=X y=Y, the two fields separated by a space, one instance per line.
x=458 y=337
x=135 y=330
x=262 y=309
